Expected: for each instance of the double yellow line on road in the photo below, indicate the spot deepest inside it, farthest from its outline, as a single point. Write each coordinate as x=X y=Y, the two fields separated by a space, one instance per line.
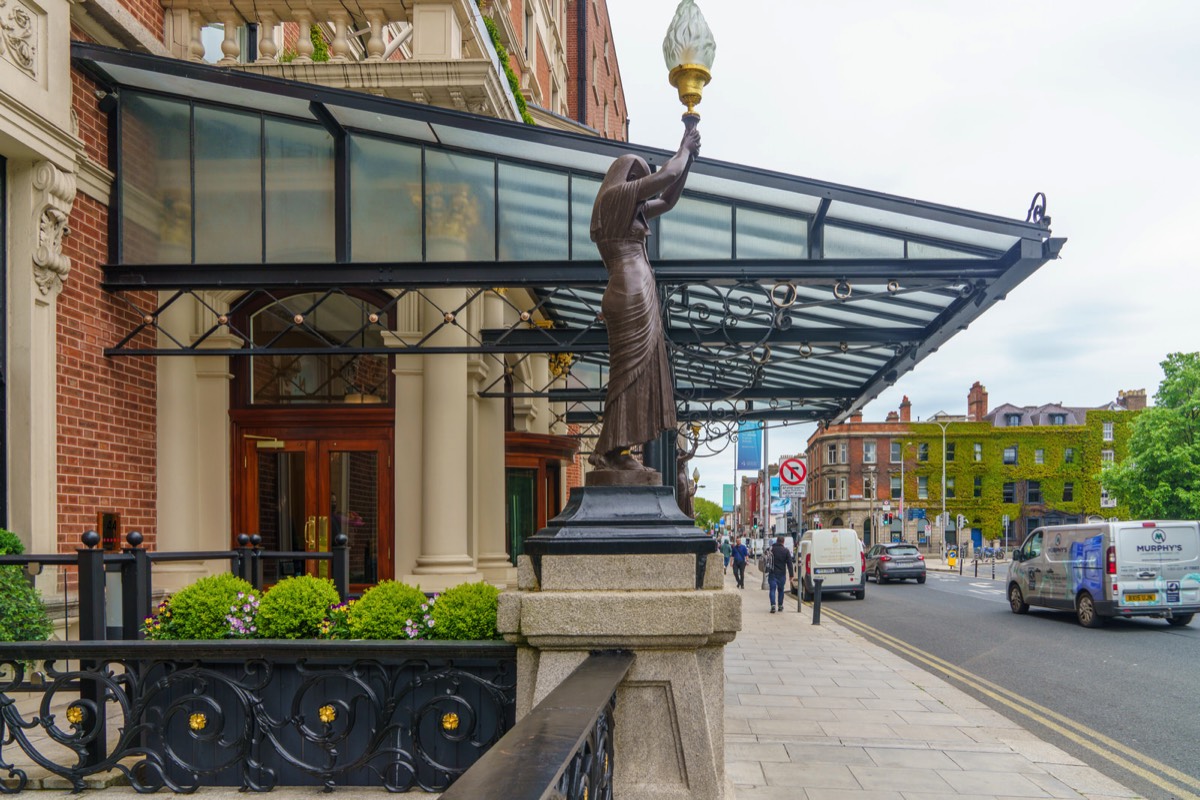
x=1164 y=776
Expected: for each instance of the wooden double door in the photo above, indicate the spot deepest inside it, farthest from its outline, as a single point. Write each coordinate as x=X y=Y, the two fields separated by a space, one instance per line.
x=299 y=486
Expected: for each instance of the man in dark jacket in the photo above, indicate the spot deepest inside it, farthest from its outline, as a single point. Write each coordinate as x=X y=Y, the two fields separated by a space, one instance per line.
x=780 y=572
x=739 y=555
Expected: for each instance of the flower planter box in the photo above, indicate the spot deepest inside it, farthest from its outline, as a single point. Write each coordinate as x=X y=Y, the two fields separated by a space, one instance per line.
x=259 y=714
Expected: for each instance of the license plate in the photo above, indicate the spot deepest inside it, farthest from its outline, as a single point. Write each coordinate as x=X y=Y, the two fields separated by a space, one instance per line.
x=832 y=570
x=1140 y=598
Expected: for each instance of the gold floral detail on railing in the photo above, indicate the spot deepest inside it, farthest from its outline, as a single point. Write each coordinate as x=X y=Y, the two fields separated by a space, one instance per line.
x=198 y=721
x=450 y=721
x=74 y=714
x=327 y=714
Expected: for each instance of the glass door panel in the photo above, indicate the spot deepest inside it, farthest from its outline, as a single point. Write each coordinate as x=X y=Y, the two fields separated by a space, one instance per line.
x=354 y=509
x=300 y=494
x=521 y=503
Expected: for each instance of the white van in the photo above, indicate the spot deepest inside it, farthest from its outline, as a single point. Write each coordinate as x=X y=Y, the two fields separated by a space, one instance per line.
x=1110 y=569
x=835 y=555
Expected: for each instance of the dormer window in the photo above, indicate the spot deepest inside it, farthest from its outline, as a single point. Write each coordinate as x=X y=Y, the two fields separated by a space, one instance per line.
x=1012 y=420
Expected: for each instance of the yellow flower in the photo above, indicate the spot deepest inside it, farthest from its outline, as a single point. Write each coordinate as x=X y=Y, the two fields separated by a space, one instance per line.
x=197 y=722
x=327 y=714
x=450 y=722
x=74 y=714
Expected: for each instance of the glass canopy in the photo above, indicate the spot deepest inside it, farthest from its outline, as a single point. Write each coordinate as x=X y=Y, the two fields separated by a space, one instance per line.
x=784 y=297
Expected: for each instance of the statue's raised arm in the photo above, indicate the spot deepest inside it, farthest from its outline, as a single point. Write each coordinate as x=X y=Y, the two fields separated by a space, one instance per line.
x=640 y=402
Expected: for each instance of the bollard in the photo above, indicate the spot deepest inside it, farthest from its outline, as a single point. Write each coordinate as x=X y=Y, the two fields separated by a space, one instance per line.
x=817 y=600
x=341 y=566
x=993 y=568
x=977 y=568
x=960 y=563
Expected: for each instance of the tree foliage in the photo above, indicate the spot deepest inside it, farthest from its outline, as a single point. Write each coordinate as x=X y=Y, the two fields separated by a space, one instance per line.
x=1160 y=479
x=708 y=513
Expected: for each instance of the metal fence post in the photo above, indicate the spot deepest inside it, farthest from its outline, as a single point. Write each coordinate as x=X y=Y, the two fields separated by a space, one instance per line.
x=135 y=588
x=341 y=565
x=256 y=562
x=817 y=600
x=92 y=627
x=240 y=560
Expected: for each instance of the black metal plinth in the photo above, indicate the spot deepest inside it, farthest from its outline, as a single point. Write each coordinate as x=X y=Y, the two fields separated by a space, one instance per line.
x=619 y=520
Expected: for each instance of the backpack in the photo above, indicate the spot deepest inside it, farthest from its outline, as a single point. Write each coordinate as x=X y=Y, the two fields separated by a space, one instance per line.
x=768 y=561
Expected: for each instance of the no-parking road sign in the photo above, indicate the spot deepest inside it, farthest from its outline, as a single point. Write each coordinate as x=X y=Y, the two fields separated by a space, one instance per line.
x=792 y=472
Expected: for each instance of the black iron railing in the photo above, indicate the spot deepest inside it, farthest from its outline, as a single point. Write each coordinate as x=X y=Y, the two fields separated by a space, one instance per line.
x=254 y=714
x=133 y=566
x=562 y=749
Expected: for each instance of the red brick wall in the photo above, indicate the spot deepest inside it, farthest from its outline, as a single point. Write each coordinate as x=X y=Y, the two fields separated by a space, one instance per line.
x=106 y=406
x=149 y=13
x=598 y=29
x=93 y=125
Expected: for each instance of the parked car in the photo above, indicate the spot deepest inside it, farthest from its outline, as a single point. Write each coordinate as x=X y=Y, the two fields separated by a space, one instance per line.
x=895 y=562
x=835 y=555
x=1111 y=569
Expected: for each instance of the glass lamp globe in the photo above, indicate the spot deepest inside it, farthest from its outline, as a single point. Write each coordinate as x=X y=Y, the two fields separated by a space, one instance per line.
x=689 y=50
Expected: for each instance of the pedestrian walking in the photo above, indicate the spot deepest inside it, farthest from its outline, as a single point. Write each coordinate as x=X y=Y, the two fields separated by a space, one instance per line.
x=726 y=551
x=780 y=572
x=739 y=555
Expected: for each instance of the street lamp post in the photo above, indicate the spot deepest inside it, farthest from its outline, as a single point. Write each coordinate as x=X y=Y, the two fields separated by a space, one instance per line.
x=945 y=519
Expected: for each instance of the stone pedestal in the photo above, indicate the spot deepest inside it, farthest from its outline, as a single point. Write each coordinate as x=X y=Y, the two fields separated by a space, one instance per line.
x=623 y=569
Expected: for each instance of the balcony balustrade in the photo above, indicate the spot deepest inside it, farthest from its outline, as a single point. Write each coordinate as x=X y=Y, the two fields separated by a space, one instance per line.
x=436 y=52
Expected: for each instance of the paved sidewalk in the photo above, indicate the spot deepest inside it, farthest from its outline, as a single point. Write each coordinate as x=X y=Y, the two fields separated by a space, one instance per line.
x=819 y=713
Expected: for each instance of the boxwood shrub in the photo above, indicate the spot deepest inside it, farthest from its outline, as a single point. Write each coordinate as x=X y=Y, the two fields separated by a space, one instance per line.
x=296 y=608
x=465 y=612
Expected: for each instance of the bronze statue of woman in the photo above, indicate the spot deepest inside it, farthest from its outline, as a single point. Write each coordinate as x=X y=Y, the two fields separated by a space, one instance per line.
x=640 y=402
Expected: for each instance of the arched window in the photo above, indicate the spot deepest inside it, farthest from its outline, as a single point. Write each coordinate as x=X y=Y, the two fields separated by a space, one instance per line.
x=313 y=320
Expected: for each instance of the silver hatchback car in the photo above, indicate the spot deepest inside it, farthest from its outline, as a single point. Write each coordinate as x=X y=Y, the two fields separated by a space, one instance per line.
x=895 y=561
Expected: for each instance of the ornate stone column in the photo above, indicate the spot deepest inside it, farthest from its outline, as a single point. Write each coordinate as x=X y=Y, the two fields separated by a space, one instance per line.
x=42 y=196
x=494 y=562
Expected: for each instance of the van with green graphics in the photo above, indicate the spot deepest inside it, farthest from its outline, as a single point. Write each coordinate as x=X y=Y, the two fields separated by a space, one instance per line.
x=1143 y=568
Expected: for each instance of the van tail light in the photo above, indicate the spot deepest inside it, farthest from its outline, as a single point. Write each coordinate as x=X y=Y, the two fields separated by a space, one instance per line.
x=1112 y=560
x=884 y=558
x=920 y=557
x=808 y=562
x=863 y=559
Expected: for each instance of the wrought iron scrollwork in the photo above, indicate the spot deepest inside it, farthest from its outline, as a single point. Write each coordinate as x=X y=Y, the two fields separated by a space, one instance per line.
x=589 y=775
x=397 y=723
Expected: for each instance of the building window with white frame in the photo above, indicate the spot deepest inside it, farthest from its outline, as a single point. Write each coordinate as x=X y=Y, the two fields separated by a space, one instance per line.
x=949 y=488
x=923 y=451
x=844 y=451
x=1106 y=458
x=1068 y=492
x=1108 y=431
x=868 y=451
x=979 y=451
x=897 y=453
x=868 y=487
x=841 y=488
x=1068 y=455
x=831 y=454
x=895 y=485
x=1010 y=455
x=1106 y=499
x=831 y=488
x=922 y=488
x=1039 y=456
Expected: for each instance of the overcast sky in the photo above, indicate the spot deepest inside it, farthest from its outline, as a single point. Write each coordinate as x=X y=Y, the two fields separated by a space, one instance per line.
x=975 y=105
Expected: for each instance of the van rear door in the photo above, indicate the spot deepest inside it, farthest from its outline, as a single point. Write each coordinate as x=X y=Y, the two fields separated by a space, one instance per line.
x=1158 y=564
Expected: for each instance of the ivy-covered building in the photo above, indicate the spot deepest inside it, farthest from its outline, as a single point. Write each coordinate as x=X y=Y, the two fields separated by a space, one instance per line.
x=1006 y=470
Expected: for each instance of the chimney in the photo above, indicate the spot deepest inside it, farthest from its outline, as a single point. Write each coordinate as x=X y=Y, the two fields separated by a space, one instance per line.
x=856 y=418
x=1132 y=400
x=893 y=416
x=977 y=403
x=905 y=410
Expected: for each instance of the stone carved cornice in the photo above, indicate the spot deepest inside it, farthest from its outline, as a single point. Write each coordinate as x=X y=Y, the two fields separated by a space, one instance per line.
x=54 y=194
